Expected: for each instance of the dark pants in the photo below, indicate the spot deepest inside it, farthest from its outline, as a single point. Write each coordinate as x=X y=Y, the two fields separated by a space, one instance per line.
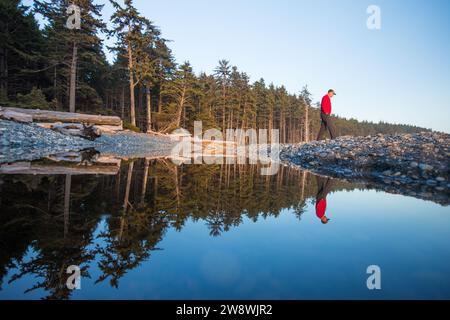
x=327 y=125
x=324 y=186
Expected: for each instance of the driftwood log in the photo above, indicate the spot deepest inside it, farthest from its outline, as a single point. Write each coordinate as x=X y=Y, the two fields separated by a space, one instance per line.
x=15 y=116
x=57 y=169
x=64 y=117
x=100 y=129
x=90 y=132
x=85 y=157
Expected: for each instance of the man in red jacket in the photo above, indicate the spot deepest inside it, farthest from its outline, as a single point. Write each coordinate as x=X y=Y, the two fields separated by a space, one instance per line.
x=325 y=115
x=324 y=186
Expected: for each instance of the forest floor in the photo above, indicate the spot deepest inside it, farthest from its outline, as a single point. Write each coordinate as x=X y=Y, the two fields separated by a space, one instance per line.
x=20 y=142
x=412 y=164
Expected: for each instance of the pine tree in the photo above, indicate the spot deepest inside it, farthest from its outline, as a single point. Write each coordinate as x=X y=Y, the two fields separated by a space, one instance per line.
x=181 y=91
x=164 y=68
x=72 y=54
x=222 y=73
x=132 y=32
x=21 y=44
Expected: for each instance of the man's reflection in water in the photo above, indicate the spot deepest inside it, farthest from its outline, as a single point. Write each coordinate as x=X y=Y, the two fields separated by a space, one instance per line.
x=324 y=186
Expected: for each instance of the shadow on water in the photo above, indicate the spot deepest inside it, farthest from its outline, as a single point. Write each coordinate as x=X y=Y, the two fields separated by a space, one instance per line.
x=50 y=212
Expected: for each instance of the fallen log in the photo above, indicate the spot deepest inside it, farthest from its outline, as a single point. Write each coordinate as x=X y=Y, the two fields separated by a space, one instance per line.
x=77 y=130
x=65 y=117
x=82 y=158
x=15 y=116
x=109 y=129
x=99 y=128
x=57 y=169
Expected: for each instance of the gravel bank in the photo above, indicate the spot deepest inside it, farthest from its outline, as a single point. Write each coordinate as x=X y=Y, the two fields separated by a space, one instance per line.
x=412 y=164
x=27 y=142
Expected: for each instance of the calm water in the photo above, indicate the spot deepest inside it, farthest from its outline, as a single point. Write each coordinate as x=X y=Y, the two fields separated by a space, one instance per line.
x=160 y=231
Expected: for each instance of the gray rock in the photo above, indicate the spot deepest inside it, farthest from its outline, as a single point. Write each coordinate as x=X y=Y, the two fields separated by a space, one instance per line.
x=425 y=167
x=413 y=164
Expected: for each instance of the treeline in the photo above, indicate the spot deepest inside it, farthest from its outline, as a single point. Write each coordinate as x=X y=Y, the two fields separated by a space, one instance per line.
x=66 y=69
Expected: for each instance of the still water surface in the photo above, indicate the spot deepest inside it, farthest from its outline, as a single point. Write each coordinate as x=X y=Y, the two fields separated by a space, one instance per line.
x=160 y=231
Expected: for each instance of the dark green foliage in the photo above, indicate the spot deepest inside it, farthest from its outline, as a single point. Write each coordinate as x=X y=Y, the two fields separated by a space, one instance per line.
x=33 y=100
x=21 y=46
x=129 y=126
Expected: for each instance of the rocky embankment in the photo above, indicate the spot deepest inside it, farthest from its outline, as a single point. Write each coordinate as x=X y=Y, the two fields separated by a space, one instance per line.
x=411 y=164
x=27 y=142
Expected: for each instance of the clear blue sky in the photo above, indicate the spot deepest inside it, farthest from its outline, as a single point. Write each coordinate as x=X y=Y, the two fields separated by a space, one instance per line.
x=397 y=74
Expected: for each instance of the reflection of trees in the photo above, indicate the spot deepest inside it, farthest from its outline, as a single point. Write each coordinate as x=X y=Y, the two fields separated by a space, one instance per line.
x=128 y=241
x=54 y=217
x=130 y=237
x=44 y=214
x=223 y=195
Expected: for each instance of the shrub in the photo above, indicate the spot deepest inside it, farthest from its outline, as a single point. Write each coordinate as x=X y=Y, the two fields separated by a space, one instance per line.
x=129 y=126
x=33 y=100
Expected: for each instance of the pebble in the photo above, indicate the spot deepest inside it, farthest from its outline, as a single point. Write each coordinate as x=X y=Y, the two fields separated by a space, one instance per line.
x=425 y=167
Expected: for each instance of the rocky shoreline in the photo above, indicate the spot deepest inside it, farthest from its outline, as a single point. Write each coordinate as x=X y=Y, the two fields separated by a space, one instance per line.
x=416 y=165
x=413 y=164
x=27 y=142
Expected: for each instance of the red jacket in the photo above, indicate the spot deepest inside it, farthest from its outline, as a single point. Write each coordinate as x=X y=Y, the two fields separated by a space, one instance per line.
x=321 y=208
x=326 y=104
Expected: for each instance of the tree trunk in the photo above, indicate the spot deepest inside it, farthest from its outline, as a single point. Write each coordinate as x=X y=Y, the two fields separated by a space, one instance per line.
x=281 y=125
x=159 y=101
x=157 y=126
x=106 y=100
x=307 y=124
x=126 y=200
x=144 y=180
x=149 y=110
x=127 y=187
x=270 y=125
x=122 y=103
x=130 y=70
x=67 y=187
x=303 y=185
x=117 y=185
x=4 y=72
x=223 y=108
x=73 y=78
x=140 y=103
x=181 y=107
x=55 y=86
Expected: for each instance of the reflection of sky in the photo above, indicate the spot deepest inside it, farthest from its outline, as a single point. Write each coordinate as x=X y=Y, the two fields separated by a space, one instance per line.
x=287 y=258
